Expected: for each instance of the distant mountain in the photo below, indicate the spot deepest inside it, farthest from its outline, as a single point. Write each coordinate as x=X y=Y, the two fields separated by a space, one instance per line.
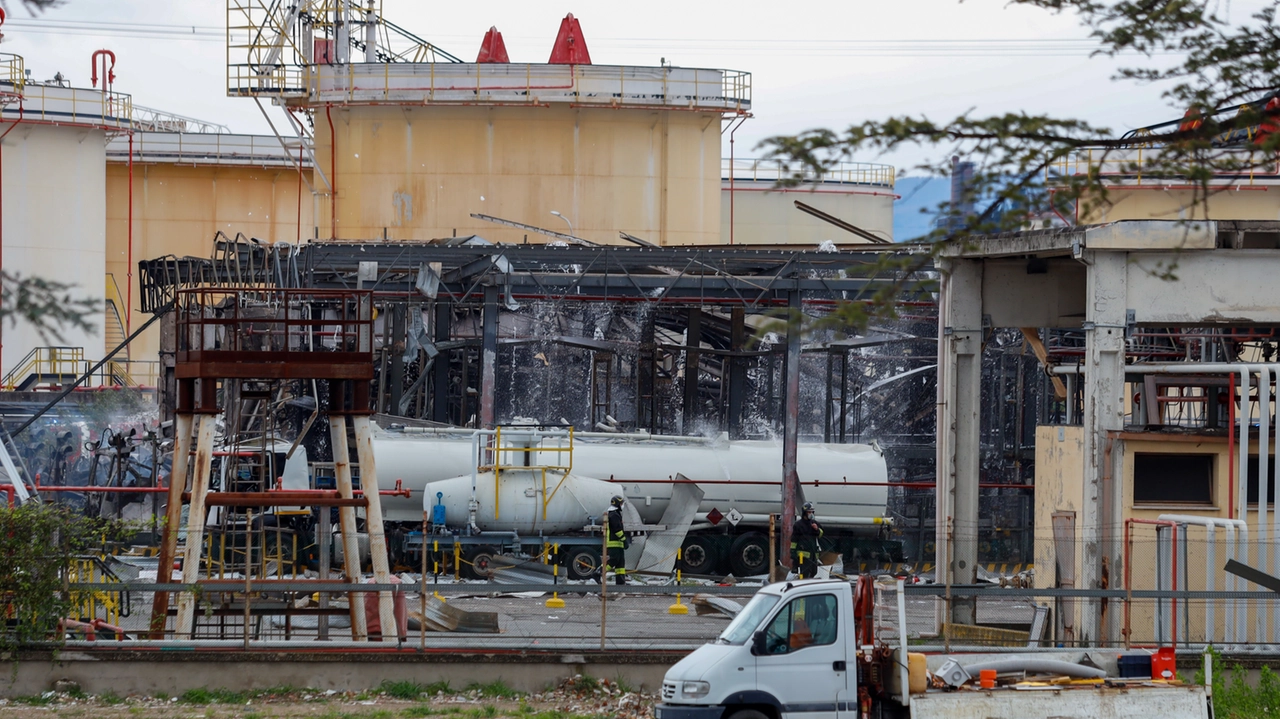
x=914 y=214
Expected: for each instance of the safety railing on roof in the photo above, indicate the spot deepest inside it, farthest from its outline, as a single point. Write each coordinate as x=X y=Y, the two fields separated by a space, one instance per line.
x=12 y=77
x=151 y=119
x=847 y=173
x=683 y=88
x=70 y=106
x=1147 y=166
x=46 y=365
x=209 y=148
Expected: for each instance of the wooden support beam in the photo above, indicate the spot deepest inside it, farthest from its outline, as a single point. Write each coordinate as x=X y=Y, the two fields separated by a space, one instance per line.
x=347 y=523
x=183 y=628
x=172 y=516
x=1032 y=336
x=373 y=524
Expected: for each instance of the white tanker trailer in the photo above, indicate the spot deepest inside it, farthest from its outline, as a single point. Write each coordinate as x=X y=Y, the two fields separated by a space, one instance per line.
x=739 y=479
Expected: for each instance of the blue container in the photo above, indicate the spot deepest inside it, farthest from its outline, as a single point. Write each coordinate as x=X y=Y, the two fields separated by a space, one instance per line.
x=1135 y=666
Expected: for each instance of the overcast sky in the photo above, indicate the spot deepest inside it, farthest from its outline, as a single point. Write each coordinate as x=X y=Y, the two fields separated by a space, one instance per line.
x=814 y=64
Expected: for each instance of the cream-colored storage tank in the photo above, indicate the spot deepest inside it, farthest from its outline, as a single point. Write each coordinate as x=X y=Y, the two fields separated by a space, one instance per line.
x=412 y=151
x=54 y=203
x=755 y=210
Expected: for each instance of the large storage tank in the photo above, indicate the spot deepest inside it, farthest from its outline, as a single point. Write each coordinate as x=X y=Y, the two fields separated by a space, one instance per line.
x=53 y=214
x=413 y=150
x=187 y=186
x=756 y=210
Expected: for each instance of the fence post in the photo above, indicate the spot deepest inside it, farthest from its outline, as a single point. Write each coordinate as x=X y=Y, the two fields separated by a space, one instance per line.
x=604 y=580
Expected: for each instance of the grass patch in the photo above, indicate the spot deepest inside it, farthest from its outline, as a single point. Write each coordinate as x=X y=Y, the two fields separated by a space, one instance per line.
x=35 y=700
x=419 y=711
x=110 y=698
x=402 y=689
x=213 y=696
x=497 y=689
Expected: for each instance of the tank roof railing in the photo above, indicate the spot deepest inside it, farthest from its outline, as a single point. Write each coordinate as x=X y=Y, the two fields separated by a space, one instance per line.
x=536 y=84
x=845 y=173
x=1143 y=166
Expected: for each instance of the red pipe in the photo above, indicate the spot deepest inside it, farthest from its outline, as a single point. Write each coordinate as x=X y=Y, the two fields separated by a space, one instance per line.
x=86 y=627
x=333 y=171
x=102 y=626
x=1231 y=455
x=128 y=292
x=9 y=492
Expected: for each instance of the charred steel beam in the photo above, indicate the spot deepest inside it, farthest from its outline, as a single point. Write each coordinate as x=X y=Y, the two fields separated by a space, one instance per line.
x=692 y=358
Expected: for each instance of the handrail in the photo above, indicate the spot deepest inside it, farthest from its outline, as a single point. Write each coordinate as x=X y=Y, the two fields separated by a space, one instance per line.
x=1142 y=166
x=769 y=170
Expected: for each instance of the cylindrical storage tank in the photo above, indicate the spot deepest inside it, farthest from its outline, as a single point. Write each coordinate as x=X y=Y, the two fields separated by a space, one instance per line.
x=755 y=210
x=54 y=205
x=412 y=151
x=515 y=501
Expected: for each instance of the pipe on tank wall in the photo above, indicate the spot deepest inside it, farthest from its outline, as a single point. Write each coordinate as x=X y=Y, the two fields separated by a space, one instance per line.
x=333 y=168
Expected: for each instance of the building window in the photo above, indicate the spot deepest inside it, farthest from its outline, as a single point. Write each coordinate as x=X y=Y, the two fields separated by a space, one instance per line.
x=1172 y=478
x=1253 y=479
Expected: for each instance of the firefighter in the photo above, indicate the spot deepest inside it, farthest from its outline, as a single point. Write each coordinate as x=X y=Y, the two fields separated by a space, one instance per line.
x=617 y=540
x=804 y=542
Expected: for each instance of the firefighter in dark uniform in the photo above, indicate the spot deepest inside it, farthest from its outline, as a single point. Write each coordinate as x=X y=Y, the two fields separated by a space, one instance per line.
x=804 y=543
x=617 y=540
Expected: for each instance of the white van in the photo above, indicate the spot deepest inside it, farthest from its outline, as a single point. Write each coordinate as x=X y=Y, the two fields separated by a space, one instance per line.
x=793 y=653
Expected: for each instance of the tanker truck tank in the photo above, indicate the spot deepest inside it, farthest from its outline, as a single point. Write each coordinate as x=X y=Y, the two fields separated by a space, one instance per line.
x=848 y=481
x=513 y=501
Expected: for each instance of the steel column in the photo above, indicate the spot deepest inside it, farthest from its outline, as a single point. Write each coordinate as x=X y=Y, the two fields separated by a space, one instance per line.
x=440 y=369
x=395 y=382
x=737 y=370
x=489 y=356
x=692 y=358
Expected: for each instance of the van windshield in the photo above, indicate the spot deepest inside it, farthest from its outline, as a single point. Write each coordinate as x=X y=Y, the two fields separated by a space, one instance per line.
x=745 y=624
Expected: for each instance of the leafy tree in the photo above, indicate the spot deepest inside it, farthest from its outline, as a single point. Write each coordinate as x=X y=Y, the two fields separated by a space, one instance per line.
x=38 y=544
x=1027 y=171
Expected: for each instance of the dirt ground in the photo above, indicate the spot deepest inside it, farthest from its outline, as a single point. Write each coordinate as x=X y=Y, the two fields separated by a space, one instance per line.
x=578 y=698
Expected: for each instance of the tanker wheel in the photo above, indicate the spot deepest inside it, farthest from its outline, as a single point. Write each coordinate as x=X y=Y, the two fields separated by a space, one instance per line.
x=698 y=556
x=582 y=562
x=749 y=555
x=478 y=562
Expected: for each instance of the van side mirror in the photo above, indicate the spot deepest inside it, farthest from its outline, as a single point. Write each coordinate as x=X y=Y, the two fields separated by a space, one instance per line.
x=757 y=644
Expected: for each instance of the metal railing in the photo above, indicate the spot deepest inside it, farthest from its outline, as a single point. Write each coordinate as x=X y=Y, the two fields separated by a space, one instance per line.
x=12 y=76
x=681 y=88
x=1142 y=166
x=846 y=173
x=208 y=148
x=50 y=368
x=70 y=106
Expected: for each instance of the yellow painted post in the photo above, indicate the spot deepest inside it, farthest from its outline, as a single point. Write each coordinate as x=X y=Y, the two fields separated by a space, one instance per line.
x=555 y=602
x=678 y=608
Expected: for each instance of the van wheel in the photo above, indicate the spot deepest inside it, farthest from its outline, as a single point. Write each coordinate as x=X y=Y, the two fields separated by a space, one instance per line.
x=698 y=556
x=581 y=563
x=748 y=714
x=749 y=555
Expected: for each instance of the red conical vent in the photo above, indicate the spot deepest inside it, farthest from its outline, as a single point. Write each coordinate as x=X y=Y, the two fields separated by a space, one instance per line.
x=492 y=48
x=571 y=46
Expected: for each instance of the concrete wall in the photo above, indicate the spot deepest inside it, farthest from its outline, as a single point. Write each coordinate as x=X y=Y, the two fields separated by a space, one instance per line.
x=1059 y=488
x=125 y=672
x=1250 y=202
x=763 y=215
x=54 y=217
x=418 y=173
x=178 y=208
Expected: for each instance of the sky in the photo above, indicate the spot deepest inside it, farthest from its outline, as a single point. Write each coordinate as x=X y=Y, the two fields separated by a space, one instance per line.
x=814 y=63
